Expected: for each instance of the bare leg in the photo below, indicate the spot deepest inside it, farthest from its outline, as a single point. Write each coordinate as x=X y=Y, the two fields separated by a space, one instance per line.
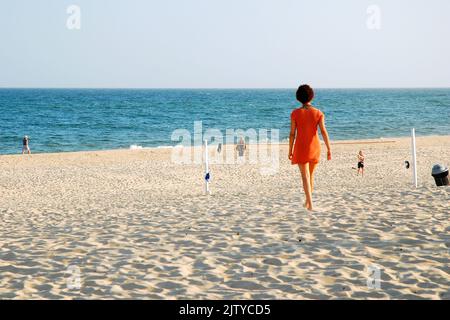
x=312 y=167
x=362 y=172
x=304 y=170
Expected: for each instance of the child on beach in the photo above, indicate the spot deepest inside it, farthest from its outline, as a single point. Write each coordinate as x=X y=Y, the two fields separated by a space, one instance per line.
x=305 y=152
x=25 y=145
x=360 y=163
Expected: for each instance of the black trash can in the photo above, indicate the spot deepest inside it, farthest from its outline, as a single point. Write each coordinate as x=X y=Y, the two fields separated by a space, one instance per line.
x=440 y=175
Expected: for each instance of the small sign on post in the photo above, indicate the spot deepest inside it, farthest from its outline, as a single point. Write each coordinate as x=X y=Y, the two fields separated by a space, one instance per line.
x=207 y=174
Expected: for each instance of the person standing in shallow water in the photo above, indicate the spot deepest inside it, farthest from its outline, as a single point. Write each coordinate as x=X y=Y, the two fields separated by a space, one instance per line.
x=26 y=145
x=304 y=143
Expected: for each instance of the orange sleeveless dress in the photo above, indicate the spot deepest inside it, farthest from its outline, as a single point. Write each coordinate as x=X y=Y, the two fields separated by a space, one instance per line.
x=307 y=143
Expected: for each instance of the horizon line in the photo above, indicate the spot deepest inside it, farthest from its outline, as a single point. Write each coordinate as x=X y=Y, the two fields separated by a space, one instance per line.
x=218 y=88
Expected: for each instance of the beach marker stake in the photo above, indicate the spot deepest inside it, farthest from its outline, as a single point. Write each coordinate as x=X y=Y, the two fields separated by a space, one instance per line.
x=414 y=156
x=207 y=174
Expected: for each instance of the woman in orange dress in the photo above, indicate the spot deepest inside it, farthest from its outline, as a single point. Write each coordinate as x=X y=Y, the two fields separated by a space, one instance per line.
x=305 y=152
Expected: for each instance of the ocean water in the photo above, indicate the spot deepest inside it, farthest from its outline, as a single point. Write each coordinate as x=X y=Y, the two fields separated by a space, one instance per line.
x=95 y=119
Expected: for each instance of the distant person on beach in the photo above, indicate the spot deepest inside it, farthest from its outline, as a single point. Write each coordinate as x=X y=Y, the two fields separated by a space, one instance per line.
x=26 y=145
x=360 y=163
x=304 y=143
x=240 y=147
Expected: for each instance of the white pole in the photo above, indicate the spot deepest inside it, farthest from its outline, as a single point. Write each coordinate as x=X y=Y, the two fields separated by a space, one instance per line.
x=206 y=168
x=414 y=157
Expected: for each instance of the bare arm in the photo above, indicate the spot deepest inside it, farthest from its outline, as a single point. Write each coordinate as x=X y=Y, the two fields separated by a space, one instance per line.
x=326 y=139
x=292 y=137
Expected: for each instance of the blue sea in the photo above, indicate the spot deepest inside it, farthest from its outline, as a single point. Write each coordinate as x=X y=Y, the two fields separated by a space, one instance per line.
x=94 y=119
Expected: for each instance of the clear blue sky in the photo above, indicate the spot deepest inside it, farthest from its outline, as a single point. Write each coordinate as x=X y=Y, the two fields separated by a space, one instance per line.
x=224 y=43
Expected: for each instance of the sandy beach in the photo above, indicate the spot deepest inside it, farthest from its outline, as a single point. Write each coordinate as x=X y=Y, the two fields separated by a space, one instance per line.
x=134 y=224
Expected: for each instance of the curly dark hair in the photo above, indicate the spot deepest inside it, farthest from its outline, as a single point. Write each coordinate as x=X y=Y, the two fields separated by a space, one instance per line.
x=305 y=93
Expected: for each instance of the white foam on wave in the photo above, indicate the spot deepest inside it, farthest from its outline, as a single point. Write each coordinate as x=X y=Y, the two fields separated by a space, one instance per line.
x=138 y=147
